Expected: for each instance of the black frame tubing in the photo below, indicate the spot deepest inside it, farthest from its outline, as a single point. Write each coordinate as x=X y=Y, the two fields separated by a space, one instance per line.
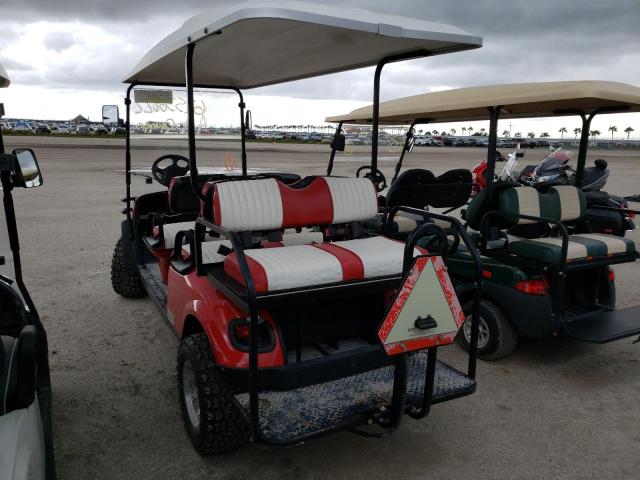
x=584 y=145
x=376 y=97
x=409 y=135
x=407 y=139
x=477 y=262
x=127 y=159
x=559 y=272
x=494 y=115
x=201 y=226
x=243 y=129
x=333 y=150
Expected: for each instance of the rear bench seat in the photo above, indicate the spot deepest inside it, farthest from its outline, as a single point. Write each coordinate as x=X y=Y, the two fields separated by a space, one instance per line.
x=268 y=204
x=561 y=203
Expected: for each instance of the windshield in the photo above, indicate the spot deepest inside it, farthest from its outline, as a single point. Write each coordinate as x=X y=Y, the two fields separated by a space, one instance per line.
x=556 y=161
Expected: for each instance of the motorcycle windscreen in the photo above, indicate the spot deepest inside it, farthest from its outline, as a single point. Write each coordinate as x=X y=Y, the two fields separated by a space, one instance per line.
x=425 y=312
x=556 y=162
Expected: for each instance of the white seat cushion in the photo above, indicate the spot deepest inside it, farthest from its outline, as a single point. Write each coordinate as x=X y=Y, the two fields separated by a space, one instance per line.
x=301 y=238
x=283 y=268
x=210 y=251
x=170 y=230
x=380 y=256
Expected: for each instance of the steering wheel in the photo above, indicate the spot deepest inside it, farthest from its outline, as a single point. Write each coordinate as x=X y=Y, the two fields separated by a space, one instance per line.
x=163 y=175
x=452 y=248
x=377 y=178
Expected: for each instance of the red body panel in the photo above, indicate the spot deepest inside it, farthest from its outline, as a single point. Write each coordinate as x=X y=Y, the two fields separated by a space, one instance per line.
x=196 y=296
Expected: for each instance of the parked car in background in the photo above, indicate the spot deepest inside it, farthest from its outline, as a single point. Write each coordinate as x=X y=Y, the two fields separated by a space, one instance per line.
x=425 y=142
x=21 y=126
x=61 y=129
x=99 y=130
x=42 y=129
x=82 y=130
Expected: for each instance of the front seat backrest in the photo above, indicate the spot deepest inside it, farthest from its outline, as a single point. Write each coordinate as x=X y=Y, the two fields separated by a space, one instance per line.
x=411 y=189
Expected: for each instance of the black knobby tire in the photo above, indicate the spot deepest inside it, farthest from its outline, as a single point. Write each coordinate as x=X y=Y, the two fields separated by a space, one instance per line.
x=502 y=335
x=125 y=280
x=222 y=426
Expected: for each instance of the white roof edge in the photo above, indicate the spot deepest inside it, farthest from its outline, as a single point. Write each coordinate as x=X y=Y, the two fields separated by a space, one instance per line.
x=4 y=78
x=355 y=19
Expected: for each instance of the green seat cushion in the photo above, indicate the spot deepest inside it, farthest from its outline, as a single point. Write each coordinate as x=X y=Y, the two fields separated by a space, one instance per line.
x=581 y=247
x=614 y=245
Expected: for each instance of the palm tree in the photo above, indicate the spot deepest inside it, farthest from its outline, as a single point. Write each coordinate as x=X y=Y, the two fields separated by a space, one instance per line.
x=531 y=135
x=594 y=133
x=434 y=132
x=562 y=131
x=576 y=131
x=452 y=131
x=483 y=131
x=505 y=133
x=464 y=130
x=613 y=129
x=470 y=129
x=628 y=131
x=517 y=135
x=544 y=135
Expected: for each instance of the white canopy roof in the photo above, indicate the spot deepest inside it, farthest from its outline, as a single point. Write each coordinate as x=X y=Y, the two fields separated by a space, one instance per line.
x=521 y=100
x=261 y=42
x=4 y=78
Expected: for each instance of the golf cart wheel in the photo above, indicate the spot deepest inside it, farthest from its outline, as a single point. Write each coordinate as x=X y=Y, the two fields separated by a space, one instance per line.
x=124 y=280
x=497 y=337
x=213 y=421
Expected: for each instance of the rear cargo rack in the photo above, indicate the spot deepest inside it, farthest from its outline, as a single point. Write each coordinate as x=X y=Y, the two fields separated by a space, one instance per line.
x=295 y=415
x=365 y=389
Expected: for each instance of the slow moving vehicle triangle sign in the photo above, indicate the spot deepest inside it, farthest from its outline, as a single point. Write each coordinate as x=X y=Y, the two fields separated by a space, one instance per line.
x=426 y=311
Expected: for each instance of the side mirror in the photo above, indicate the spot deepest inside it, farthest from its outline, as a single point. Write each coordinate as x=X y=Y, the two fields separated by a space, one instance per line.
x=110 y=115
x=338 y=143
x=27 y=169
x=410 y=145
x=248 y=121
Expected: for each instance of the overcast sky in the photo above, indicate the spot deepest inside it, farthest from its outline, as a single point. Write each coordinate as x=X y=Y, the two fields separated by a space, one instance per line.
x=67 y=56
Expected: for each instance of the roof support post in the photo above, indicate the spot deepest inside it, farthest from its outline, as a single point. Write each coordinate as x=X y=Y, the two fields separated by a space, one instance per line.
x=333 y=149
x=584 y=145
x=376 y=98
x=407 y=139
x=243 y=130
x=191 y=121
x=127 y=157
x=494 y=114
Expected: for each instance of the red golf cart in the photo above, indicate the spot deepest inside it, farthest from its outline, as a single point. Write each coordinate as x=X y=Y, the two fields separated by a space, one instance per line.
x=294 y=322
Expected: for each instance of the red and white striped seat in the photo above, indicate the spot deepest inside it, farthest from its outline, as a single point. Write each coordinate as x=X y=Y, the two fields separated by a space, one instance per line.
x=267 y=204
x=284 y=268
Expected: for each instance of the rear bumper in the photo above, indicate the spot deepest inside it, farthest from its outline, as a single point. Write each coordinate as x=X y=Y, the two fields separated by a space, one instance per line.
x=311 y=372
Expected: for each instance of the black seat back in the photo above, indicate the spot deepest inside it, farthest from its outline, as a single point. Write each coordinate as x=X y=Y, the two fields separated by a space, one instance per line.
x=420 y=188
x=411 y=189
x=18 y=370
x=182 y=198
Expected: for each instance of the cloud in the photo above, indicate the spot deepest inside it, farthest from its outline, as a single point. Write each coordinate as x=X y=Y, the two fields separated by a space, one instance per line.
x=59 y=41
x=95 y=46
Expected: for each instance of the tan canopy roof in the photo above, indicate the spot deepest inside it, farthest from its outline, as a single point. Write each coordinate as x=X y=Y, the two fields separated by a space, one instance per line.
x=519 y=100
x=4 y=78
x=252 y=43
